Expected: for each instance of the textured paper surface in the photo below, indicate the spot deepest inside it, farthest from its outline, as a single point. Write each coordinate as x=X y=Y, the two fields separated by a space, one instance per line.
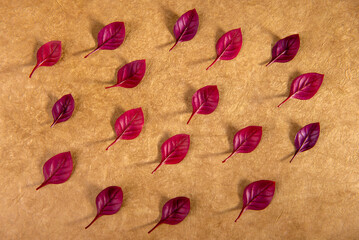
x=316 y=196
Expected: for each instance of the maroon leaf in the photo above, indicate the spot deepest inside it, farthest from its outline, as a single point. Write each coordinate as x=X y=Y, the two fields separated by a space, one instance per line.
x=48 y=55
x=57 y=169
x=306 y=138
x=174 y=211
x=228 y=46
x=204 y=101
x=246 y=140
x=108 y=202
x=186 y=27
x=305 y=86
x=285 y=49
x=129 y=125
x=110 y=37
x=63 y=109
x=130 y=75
x=257 y=196
x=174 y=149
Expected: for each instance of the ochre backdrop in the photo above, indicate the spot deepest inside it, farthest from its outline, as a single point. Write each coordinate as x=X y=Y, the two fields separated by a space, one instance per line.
x=316 y=196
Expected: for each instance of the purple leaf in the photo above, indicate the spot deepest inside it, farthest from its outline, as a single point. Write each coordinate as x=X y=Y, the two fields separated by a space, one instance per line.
x=186 y=27
x=305 y=86
x=285 y=49
x=246 y=140
x=57 y=169
x=130 y=75
x=257 y=196
x=48 y=55
x=174 y=211
x=204 y=101
x=306 y=138
x=110 y=37
x=228 y=46
x=174 y=149
x=63 y=109
x=108 y=202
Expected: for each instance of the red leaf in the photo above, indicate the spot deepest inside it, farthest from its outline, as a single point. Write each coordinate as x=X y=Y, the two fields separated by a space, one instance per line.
x=246 y=140
x=129 y=125
x=257 y=196
x=110 y=37
x=130 y=75
x=108 y=202
x=305 y=86
x=228 y=46
x=57 y=169
x=48 y=55
x=186 y=27
x=285 y=49
x=174 y=211
x=174 y=149
x=204 y=101
x=63 y=109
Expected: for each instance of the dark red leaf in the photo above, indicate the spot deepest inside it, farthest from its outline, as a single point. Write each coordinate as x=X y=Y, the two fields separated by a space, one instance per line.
x=246 y=140
x=129 y=125
x=306 y=138
x=57 y=169
x=305 y=86
x=205 y=101
x=108 y=202
x=48 y=55
x=174 y=149
x=228 y=46
x=110 y=37
x=285 y=49
x=63 y=109
x=257 y=196
x=186 y=27
x=130 y=75
x=174 y=211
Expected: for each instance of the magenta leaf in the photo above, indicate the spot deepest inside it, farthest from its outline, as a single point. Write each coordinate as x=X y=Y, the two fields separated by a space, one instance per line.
x=63 y=109
x=48 y=55
x=285 y=49
x=204 y=101
x=246 y=140
x=130 y=75
x=306 y=138
x=174 y=211
x=186 y=27
x=257 y=196
x=305 y=86
x=110 y=37
x=108 y=202
x=129 y=125
x=174 y=150
x=228 y=46
x=57 y=169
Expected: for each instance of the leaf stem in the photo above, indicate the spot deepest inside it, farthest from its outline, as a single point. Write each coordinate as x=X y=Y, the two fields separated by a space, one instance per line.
x=111 y=86
x=159 y=165
x=97 y=216
x=92 y=52
x=173 y=46
x=228 y=157
x=42 y=185
x=155 y=227
x=294 y=156
x=33 y=70
x=118 y=138
x=275 y=59
x=213 y=62
x=284 y=101
x=240 y=214
x=193 y=113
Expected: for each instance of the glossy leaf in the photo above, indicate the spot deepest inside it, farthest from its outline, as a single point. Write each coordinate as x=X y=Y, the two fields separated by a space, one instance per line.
x=246 y=140
x=130 y=75
x=108 y=202
x=48 y=55
x=63 y=109
x=110 y=37
x=305 y=86
x=129 y=125
x=174 y=211
x=306 y=138
x=57 y=169
x=186 y=27
x=174 y=149
x=228 y=46
x=285 y=49
x=257 y=196
x=205 y=101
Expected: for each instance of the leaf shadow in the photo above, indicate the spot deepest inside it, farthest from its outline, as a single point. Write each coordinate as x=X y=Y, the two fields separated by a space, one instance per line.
x=294 y=128
x=50 y=103
x=116 y=113
x=219 y=33
x=165 y=45
x=231 y=131
x=275 y=38
x=199 y=61
x=170 y=18
x=290 y=80
x=33 y=60
x=96 y=26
